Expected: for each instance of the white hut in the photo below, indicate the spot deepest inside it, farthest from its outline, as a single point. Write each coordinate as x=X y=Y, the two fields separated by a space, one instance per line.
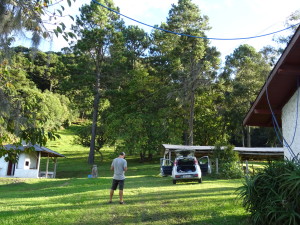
x=28 y=165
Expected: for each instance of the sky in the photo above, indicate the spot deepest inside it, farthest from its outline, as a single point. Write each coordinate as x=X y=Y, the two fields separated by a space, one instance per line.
x=227 y=19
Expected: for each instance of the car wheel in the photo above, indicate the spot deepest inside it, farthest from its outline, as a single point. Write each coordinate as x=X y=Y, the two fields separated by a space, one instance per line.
x=200 y=180
x=174 y=181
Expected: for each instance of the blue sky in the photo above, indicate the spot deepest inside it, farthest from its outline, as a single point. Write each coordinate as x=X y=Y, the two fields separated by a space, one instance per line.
x=228 y=19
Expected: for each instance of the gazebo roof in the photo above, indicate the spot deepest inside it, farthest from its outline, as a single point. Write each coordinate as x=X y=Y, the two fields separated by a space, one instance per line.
x=44 y=151
x=280 y=86
x=244 y=152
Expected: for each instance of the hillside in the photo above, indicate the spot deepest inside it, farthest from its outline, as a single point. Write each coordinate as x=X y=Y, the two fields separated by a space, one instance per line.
x=73 y=198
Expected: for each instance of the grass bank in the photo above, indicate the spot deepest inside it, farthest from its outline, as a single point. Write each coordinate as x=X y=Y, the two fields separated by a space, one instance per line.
x=73 y=198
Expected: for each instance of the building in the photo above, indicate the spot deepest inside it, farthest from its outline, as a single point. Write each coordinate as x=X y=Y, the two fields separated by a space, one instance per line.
x=28 y=165
x=277 y=104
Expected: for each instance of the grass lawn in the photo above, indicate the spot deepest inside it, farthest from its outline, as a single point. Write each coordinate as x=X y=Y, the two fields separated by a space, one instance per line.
x=73 y=198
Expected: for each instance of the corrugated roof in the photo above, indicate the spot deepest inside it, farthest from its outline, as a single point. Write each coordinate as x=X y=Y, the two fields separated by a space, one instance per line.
x=244 y=152
x=44 y=151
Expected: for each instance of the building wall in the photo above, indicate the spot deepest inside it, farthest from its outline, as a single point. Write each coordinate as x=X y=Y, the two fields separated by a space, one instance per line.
x=289 y=121
x=3 y=167
x=25 y=168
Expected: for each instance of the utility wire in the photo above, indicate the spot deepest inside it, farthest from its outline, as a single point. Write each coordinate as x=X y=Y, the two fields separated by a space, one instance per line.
x=192 y=36
x=277 y=128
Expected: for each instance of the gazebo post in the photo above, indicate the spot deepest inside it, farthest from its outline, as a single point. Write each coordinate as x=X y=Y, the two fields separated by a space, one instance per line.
x=247 y=167
x=38 y=164
x=47 y=166
x=55 y=162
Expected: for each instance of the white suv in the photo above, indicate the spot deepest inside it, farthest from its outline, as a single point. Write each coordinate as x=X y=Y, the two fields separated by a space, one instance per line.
x=186 y=167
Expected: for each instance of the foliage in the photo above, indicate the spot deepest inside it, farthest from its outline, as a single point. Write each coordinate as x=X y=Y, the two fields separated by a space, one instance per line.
x=33 y=16
x=141 y=90
x=227 y=161
x=137 y=115
x=273 y=195
x=26 y=113
x=209 y=124
x=189 y=63
x=10 y=155
x=245 y=72
x=98 y=30
x=291 y=20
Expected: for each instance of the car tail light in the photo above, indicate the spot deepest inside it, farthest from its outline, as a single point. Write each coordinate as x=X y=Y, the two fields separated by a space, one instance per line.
x=196 y=175
x=175 y=163
x=195 y=162
x=177 y=176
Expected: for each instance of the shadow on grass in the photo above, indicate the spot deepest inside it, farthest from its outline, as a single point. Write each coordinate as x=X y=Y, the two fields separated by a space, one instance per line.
x=149 y=199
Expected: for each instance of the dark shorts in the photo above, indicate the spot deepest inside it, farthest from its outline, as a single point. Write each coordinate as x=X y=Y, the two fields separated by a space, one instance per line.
x=115 y=184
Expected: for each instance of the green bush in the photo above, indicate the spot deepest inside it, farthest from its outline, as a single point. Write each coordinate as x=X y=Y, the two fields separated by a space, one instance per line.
x=227 y=162
x=273 y=195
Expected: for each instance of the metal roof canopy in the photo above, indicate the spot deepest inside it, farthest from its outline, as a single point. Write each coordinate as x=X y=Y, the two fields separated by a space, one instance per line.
x=44 y=151
x=280 y=85
x=244 y=152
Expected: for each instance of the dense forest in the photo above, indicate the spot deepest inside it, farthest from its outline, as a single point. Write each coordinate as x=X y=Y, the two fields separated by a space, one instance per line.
x=130 y=89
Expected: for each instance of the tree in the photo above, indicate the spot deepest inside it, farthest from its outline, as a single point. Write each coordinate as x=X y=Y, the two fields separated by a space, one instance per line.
x=210 y=126
x=96 y=28
x=292 y=20
x=32 y=16
x=245 y=70
x=139 y=118
x=136 y=43
x=17 y=16
x=191 y=61
x=78 y=78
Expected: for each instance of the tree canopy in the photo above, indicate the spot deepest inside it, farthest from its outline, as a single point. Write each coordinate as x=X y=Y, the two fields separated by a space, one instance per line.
x=132 y=90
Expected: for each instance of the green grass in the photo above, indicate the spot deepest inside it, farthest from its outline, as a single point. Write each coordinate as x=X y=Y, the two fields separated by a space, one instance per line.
x=72 y=198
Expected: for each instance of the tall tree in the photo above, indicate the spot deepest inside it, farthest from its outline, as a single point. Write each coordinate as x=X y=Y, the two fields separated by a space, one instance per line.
x=96 y=28
x=246 y=70
x=189 y=60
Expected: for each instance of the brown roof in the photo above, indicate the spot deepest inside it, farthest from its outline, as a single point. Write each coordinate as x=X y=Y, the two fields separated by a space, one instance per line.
x=280 y=86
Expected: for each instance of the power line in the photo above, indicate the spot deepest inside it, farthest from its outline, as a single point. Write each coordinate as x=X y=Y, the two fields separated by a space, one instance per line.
x=277 y=128
x=192 y=36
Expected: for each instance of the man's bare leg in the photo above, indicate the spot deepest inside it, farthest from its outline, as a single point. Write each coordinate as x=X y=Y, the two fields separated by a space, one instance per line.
x=121 y=195
x=111 y=195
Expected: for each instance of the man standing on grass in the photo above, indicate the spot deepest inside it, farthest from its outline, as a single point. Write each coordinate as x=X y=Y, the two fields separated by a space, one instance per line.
x=119 y=166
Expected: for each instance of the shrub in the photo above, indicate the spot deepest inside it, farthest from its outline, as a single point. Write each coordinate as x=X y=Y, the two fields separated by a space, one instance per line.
x=273 y=195
x=228 y=162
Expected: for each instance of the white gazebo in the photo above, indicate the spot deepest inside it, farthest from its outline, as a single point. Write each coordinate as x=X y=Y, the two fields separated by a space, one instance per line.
x=245 y=153
x=28 y=165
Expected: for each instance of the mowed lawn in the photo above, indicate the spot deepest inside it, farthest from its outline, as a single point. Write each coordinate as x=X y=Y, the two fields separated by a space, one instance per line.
x=73 y=198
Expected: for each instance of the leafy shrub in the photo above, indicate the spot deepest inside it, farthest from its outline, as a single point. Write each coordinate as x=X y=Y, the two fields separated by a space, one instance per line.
x=83 y=136
x=227 y=161
x=273 y=195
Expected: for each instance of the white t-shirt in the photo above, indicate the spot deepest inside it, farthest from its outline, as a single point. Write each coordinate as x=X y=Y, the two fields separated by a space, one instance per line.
x=119 y=165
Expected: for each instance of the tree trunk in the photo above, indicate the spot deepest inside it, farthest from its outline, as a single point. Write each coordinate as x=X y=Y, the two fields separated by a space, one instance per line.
x=95 y=118
x=51 y=86
x=243 y=138
x=191 y=119
x=142 y=157
x=248 y=136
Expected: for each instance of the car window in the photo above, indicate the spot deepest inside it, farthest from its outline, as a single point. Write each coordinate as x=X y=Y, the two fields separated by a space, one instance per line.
x=203 y=160
x=185 y=153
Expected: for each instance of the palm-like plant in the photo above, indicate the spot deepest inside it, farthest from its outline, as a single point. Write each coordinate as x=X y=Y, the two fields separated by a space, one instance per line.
x=273 y=195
